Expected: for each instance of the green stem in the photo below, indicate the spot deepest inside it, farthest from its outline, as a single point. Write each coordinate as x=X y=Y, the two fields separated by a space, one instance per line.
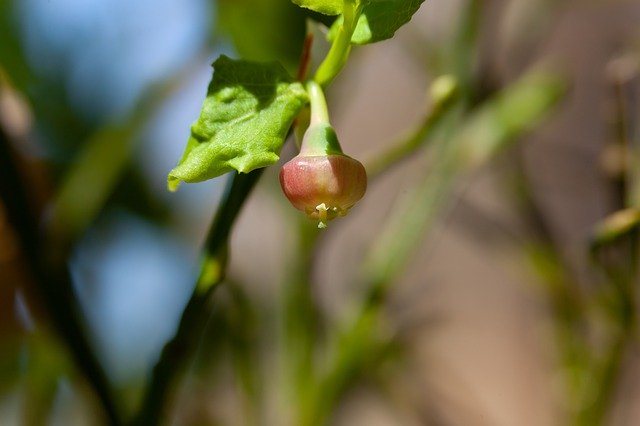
x=320 y=138
x=352 y=352
x=177 y=352
x=464 y=50
x=444 y=94
x=301 y=321
x=341 y=47
x=319 y=111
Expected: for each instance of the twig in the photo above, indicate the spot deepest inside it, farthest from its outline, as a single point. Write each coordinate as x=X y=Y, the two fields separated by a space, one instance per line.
x=444 y=94
x=176 y=353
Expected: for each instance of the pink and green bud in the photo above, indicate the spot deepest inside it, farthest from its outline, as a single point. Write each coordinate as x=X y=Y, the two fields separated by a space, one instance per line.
x=321 y=181
x=323 y=187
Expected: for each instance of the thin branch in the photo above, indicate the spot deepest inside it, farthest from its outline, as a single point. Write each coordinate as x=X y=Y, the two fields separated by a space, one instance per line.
x=178 y=351
x=444 y=93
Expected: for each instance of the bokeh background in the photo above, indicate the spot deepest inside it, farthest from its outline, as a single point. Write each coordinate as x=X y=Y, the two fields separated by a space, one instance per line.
x=96 y=101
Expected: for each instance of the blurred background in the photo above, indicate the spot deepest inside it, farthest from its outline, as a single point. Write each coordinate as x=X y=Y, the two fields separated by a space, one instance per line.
x=514 y=301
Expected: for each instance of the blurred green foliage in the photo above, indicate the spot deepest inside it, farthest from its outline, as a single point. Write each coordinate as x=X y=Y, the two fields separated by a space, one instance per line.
x=90 y=167
x=263 y=30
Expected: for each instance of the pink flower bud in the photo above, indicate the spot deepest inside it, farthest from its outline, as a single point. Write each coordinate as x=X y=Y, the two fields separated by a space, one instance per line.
x=323 y=186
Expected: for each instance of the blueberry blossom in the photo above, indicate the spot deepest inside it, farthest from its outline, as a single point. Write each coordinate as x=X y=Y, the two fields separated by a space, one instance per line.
x=321 y=181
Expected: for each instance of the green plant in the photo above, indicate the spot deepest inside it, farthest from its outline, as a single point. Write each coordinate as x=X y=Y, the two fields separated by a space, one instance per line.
x=248 y=112
x=250 y=109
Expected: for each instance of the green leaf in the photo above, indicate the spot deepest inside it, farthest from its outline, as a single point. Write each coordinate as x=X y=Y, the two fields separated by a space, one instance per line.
x=326 y=7
x=380 y=19
x=243 y=123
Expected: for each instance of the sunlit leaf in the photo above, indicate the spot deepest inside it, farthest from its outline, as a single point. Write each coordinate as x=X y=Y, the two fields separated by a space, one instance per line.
x=327 y=7
x=243 y=123
x=380 y=19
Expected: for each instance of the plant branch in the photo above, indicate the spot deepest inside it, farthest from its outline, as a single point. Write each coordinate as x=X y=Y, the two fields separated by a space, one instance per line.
x=305 y=57
x=177 y=352
x=301 y=319
x=444 y=94
x=341 y=47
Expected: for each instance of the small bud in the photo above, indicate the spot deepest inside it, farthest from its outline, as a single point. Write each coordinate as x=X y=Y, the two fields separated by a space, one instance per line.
x=321 y=181
x=443 y=89
x=323 y=186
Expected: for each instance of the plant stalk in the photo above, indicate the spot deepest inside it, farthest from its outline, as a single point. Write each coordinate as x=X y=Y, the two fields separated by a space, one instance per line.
x=179 y=350
x=341 y=47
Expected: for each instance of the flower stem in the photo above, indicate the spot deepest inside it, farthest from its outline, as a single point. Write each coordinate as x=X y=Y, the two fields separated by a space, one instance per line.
x=320 y=138
x=319 y=111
